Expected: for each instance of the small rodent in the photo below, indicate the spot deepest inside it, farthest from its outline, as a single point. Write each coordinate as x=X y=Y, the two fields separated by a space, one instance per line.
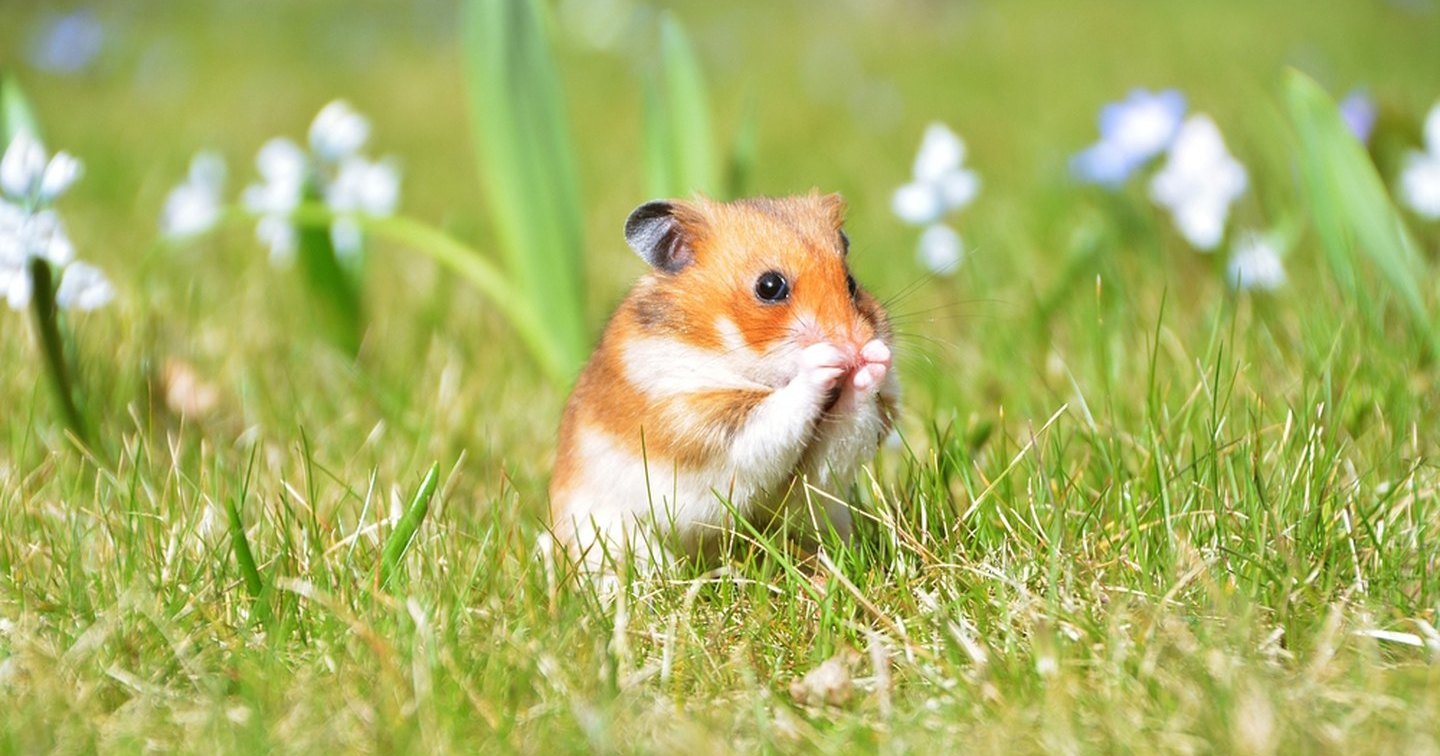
x=747 y=361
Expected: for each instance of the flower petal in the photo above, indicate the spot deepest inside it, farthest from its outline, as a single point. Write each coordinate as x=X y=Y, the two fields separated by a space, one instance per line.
x=62 y=171
x=15 y=286
x=84 y=287
x=1202 y=223
x=940 y=249
x=22 y=166
x=276 y=232
x=281 y=160
x=1103 y=163
x=194 y=207
x=42 y=235
x=366 y=187
x=207 y=169
x=1420 y=183
x=1255 y=264
x=1358 y=112
x=190 y=210
x=1432 y=129
x=1198 y=182
x=1142 y=125
x=957 y=188
x=346 y=237
x=11 y=218
x=941 y=151
x=917 y=203
x=338 y=131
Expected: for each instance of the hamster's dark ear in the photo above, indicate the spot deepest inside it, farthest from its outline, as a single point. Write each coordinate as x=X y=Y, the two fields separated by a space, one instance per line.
x=658 y=236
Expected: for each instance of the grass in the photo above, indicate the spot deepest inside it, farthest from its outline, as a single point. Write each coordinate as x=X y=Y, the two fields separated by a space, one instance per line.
x=1132 y=511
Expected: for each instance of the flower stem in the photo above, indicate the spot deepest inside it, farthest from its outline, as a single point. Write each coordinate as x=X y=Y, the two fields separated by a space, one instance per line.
x=47 y=325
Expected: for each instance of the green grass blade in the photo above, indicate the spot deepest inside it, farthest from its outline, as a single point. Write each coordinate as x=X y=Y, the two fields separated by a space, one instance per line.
x=399 y=540
x=527 y=165
x=687 y=104
x=16 y=114
x=1352 y=212
x=244 y=557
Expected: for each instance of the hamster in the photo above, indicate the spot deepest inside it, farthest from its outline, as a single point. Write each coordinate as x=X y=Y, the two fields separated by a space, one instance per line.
x=746 y=365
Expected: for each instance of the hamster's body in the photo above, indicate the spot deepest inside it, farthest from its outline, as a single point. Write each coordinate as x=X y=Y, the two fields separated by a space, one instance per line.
x=745 y=363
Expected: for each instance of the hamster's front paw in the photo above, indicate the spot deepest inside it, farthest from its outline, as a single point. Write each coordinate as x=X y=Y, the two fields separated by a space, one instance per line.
x=821 y=367
x=874 y=366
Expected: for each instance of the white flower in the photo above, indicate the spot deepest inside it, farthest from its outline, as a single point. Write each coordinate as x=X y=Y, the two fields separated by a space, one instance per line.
x=941 y=184
x=360 y=186
x=22 y=166
x=348 y=183
x=28 y=178
x=1420 y=183
x=26 y=236
x=338 y=131
x=15 y=286
x=42 y=235
x=1255 y=264
x=1199 y=182
x=364 y=187
x=11 y=218
x=347 y=237
x=192 y=208
x=84 y=287
x=275 y=232
x=39 y=235
x=283 y=167
x=1420 y=175
x=30 y=230
x=62 y=171
x=1132 y=132
x=940 y=249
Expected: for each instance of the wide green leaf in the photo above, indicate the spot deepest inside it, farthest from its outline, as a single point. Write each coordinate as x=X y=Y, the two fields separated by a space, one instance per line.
x=680 y=135
x=1352 y=212
x=744 y=147
x=16 y=114
x=527 y=165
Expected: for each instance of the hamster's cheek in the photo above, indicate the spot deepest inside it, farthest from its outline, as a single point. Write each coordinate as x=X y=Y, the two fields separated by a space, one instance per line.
x=780 y=365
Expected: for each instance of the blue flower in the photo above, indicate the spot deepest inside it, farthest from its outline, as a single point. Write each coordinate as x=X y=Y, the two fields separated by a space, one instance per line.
x=1358 y=112
x=1132 y=132
x=67 y=44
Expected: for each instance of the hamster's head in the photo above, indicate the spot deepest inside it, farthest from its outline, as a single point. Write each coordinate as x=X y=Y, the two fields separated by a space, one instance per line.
x=755 y=280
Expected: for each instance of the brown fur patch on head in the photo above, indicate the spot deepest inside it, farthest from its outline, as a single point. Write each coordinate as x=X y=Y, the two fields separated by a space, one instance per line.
x=735 y=243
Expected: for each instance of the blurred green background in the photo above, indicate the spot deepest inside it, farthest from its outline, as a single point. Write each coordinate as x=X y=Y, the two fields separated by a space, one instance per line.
x=840 y=94
x=1239 y=481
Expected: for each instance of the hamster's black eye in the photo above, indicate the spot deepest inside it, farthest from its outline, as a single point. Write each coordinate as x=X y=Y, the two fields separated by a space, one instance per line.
x=851 y=285
x=772 y=287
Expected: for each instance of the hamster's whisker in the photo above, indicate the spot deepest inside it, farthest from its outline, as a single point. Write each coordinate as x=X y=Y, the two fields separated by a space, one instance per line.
x=955 y=348
x=907 y=290
x=952 y=304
